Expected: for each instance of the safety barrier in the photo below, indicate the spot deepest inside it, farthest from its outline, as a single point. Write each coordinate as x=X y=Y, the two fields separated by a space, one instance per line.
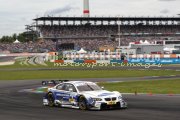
x=143 y=61
x=146 y=58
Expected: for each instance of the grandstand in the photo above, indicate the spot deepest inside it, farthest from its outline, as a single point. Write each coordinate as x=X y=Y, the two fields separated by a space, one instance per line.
x=94 y=32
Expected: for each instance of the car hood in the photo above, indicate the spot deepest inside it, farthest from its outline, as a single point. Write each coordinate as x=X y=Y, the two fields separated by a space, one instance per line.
x=98 y=94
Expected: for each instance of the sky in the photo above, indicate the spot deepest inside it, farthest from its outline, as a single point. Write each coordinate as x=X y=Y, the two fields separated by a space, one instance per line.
x=15 y=14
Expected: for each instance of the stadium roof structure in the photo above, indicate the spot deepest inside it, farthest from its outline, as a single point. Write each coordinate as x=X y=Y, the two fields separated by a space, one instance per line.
x=108 y=18
x=70 y=21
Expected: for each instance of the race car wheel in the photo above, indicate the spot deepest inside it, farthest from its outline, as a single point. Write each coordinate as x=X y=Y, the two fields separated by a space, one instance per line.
x=82 y=103
x=50 y=99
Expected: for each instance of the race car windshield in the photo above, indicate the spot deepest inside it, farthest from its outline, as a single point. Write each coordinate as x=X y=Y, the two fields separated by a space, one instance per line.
x=87 y=87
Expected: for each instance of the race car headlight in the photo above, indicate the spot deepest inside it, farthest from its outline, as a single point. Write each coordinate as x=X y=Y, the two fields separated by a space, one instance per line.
x=97 y=99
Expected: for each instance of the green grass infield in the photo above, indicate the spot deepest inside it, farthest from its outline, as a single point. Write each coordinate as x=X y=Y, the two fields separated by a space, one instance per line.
x=150 y=87
x=68 y=74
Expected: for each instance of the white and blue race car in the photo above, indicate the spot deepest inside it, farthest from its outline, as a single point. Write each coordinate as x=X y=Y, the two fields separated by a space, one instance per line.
x=83 y=95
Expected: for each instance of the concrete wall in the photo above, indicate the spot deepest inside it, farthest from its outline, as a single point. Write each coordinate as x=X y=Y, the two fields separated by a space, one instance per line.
x=147 y=49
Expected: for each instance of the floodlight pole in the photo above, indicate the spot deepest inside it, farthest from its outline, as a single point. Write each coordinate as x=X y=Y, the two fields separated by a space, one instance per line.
x=119 y=32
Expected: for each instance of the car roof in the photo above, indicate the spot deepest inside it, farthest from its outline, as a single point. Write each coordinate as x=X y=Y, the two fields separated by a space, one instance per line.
x=77 y=82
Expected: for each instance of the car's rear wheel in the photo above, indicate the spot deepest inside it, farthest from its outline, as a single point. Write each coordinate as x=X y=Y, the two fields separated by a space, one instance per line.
x=82 y=103
x=50 y=99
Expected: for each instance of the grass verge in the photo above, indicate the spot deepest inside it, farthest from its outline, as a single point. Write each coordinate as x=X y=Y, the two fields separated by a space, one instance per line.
x=65 y=74
x=154 y=86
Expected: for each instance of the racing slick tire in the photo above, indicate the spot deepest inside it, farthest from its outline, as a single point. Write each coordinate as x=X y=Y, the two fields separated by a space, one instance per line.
x=82 y=103
x=50 y=98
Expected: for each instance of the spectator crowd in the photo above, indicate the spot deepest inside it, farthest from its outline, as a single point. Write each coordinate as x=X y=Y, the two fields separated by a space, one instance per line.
x=31 y=47
x=91 y=37
x=106 y=30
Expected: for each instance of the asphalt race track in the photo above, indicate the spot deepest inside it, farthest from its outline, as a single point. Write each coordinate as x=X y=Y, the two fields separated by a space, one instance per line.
x=15 y=105
x=5 y=59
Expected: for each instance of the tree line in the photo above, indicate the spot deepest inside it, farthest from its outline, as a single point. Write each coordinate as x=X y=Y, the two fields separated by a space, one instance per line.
x=22 y=37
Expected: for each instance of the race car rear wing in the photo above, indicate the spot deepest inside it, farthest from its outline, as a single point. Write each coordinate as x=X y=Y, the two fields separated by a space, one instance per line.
x=53 y=82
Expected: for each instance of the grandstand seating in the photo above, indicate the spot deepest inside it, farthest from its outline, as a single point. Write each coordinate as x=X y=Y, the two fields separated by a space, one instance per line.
x=105 y=30
x=130 y=33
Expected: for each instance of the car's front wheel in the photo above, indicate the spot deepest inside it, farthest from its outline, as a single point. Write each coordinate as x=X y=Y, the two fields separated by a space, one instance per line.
x=82 y=103
x=50 y=99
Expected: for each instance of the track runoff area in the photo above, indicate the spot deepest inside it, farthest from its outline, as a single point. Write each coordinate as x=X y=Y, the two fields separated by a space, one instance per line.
x=150 y=93
x=18 y=103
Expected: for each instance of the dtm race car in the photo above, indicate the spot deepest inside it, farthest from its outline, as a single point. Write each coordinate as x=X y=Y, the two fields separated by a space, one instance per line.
x=83 y=95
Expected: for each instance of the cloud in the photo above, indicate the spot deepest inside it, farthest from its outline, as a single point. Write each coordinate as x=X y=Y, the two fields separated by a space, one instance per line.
x=17 y=13
x=165 y=11
x=167 y=0
x=61 y=10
